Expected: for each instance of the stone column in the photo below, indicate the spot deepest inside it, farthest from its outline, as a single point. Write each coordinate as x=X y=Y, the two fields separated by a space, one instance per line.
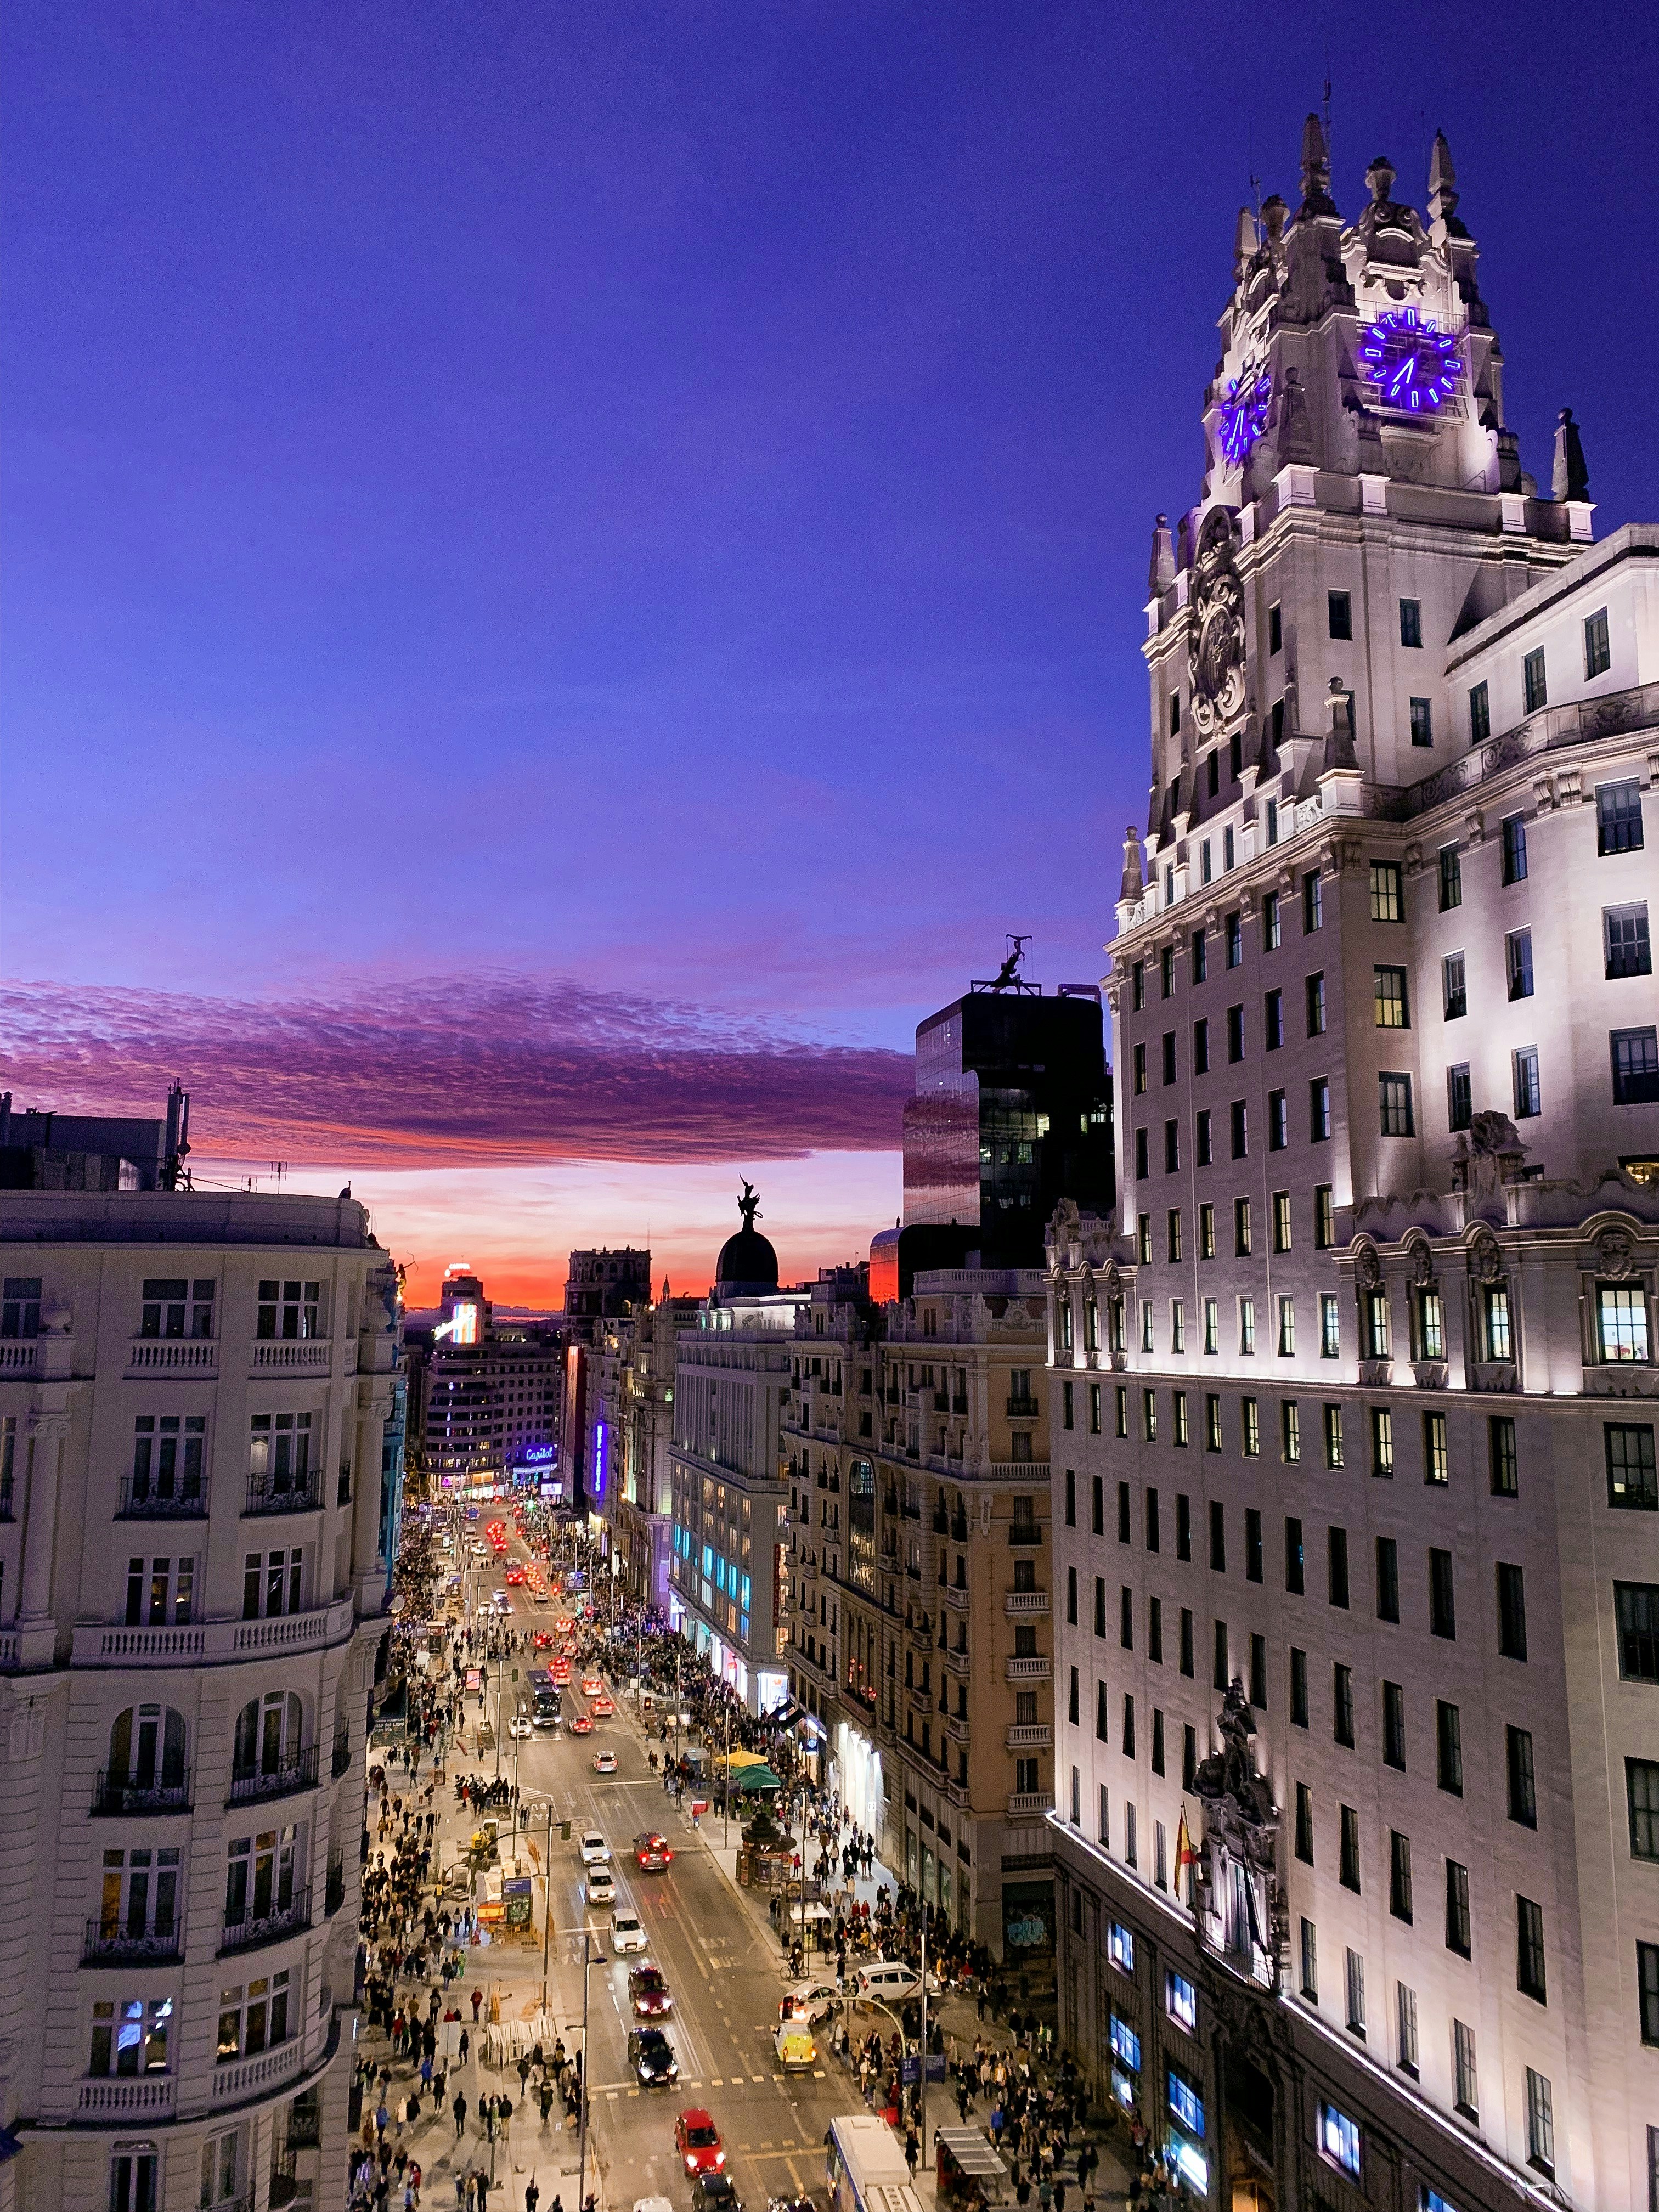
x=47 y=1433
x=368 y=1567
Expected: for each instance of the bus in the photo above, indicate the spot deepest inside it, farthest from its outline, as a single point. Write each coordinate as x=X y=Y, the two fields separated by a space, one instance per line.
x=864 y=2166
x=544 y=1698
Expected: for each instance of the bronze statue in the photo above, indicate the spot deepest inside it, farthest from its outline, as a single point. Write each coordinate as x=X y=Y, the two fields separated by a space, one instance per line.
x=1009 y=971
x=749 y=1203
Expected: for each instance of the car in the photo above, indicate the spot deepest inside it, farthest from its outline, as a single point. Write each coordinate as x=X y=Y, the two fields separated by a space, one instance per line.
x=501 y=1600
x=698 y=2142
x=649 y=1993
x=540 y=1640
x=520 y=1727
x=515 y=1574
x=605 y=1762
x=651 y=1853
x=626 y=1929
x=594 y=1849
x=601 y=1886
x=653 y=2204
x=889 y=1981
x=582 y=1725
x=604 y=1709
x=809 y=2001
x=651 y=2054
x=714 y=2192
x=560 y=1670
x=592 y=1686
x=794 y=2045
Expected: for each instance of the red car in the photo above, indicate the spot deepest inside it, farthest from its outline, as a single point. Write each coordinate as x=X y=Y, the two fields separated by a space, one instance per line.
x=649 y=1992
x=541 y=1641
x=581 y=1725
x=604 y=1709
x=515 y=1574
x=698 y=2142
x=651 y=1853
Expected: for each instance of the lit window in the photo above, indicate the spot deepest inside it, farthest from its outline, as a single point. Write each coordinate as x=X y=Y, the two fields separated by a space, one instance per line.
x=1388 y=899
x=1121 y=1947
x=1621 y=1314
x=1181 y=2002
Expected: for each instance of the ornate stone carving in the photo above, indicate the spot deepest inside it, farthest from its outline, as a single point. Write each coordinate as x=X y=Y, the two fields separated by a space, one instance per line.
x=1422 y=1266
x=1486 y=1259
x=1215 y=635
x=1368 y=1267
x=1615 y=1254
x=1238 y=1908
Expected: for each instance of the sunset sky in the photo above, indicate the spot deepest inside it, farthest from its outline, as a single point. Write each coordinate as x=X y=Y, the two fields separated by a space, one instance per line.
x=570 y=572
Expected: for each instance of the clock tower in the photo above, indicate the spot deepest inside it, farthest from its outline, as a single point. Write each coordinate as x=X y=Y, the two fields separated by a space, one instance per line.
x=1362 y=505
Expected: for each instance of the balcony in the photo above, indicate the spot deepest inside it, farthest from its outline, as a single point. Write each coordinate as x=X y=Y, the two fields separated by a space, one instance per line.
x=149 y=2095
x=1023 y=1533
x=1028 y=1670
x=248 y=1934
x=342 y=1759
x=1024 y=1409
x=17 y=1356
x=957 y=1599
x=959 y=1405
x=114 y=1794
x=334 y=1893
x=1021 y=1604
x=297 y=1355
x=300 y=1773
x=145 y=1498
x=955 y=1726
x=268 y=1496
x=1020 y=1470
x=194 y=1356
x=957 y=1792
x=958 y=1661
x=1030 y=1804
x=959 y=1528
x=1030 y=1736
x=108 y=1942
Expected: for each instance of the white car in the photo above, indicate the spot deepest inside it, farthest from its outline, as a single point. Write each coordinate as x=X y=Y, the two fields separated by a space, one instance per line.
x=605 y=1762
x=518 y=1727
x=601 y=1886
x=627 y=1930
x=811 y=2001
x=595 y=1850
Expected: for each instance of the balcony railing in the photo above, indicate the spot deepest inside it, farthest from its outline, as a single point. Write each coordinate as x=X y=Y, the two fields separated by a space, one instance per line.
x=956 y=1660
x=297 y=1355
x=957 y=1598
x=172 y=1355
x=334 y=1891
x=1029 y=1804
x=1024 y=1409
x=1025 y=1532
x=118 y=1794
x=1030 y=1736
x=143 y=1498
x=247 y=1934
x=264 y=1496
x=1028 y=1670
x=114 y=1942
x=299 y=1774
x=1017 y=1603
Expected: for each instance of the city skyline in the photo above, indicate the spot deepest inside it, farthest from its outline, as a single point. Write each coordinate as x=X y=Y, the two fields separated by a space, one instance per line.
x=678 y=517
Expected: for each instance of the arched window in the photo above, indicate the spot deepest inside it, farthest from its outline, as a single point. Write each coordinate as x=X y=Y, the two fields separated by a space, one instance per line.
x=147 y=1755
x=268 y=1731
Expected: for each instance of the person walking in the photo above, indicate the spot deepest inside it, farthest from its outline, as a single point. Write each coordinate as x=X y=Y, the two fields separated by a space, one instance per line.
x=460 y=2114
x=532 y=2196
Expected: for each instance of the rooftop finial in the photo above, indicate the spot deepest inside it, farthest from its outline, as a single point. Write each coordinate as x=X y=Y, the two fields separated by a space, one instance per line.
x=1571 y=477
x=1315 y=170
x=1246 y=239
x=1161 y=571
x=1442 y=181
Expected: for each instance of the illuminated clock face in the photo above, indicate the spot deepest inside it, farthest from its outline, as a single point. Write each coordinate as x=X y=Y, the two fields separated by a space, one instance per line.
x=1245 y=411
x=1410 y=361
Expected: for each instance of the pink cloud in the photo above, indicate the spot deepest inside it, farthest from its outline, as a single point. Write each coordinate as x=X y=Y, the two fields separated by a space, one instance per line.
x=479 y=1069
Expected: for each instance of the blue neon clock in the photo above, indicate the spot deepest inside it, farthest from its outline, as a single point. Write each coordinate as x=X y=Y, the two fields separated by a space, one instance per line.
x=1245 y=411
x=1411 y=361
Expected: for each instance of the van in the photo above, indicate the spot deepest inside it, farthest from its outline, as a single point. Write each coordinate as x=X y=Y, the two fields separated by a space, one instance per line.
x=888 y=1981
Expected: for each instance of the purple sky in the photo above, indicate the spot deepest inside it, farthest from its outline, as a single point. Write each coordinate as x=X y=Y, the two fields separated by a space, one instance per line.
x=558 y=561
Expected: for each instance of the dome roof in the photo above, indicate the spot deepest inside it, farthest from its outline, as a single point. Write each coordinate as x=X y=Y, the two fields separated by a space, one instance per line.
x=747 y=1263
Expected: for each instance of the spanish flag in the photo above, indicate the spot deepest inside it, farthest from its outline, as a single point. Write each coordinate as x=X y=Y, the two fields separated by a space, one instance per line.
x=1186 y=1858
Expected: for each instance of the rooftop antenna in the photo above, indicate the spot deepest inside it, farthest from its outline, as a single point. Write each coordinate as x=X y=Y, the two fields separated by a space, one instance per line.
x=1325 y=109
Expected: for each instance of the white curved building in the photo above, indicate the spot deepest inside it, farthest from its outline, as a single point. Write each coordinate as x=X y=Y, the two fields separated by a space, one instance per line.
x=194 y=1390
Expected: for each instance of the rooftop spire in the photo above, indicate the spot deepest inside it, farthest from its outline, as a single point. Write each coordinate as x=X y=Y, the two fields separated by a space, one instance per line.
x=1246 y=239
x=1571 y=477
x=1442 y=181
x=1316 y=171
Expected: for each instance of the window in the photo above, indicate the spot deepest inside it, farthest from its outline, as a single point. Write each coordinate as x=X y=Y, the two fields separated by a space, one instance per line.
x=1206 y=1151
x=1480 y=715
x=1212 y=1325
x=1624 y=940
x=1212 y=1422
x=1200 y=1048
x=1199 y=957
x=1293 y=1557
x=1121 y=1947
x=159 y=1591
x=1071 y=1596
x=1443 y=1611
x=1348 y=1850
x=1146 y=1325
x=1143 y=1157
x=1517 y=962
x=1411 y=622
x=1394 y=1726
x=1636 y=1612
x=1387 y=1578
x=1121 y=1394
x=1138 y=986
x=252 y=2017
x=1275 y=629
x=1381 y=1441
x=1511 y=1612
x=1448 y=1747
x=1313 y=905
x=1067 y=1403
x=1534 y=687
x=1460 y=1100
x=1273 y=1020
x=1524 y=1065
x=1239 y=1117
x=1252 y=1544
x=1529 y=1949
x=1319 y=1110
x=1633 y=1478
x=1171 y=1148
x=1457 y=1909
x=1388 y=895
x=289 y=1310
x=1336 y=1577
x=1388 y=995
x=1598 y=652
x=140 y=1899
x=177 y=1306
x=1339 y=2135
x=1405 y=2019
x=260 y=1876
x=1240 y=1228
x=1250 y=1425
x=1342 y=1707
x=1287 y=1328
x=1466 y=2092
x=1501 y=1455
x=1143 y=1239
x=1333 y=1428
x=1400 y=1876
x=1149 y=1408
x=1187 y=1660
x=1394 y=1099
x=272 y=1582
x=1223 y=1674
x=1234 y=1034
x=1218 y=1537
x=1540 y=2123
x=1374 y=1314
x=1100 y=1605
x=1422 y=714
x=1495 y=1316
x=1523 y=1791
x=1304 y=1842
x=1436 y=1465
x=1181 y=2002
x=1325 y=1209
x=1183 y=1526
x=1152 y=1529
x=129 y=2036
x=1299 y=1688
x=1451 y=879
x=1619 y=818
x=1100 y=1711
x=1155 y=1639
x=1137 y=1070
x=167 y=1459
x=1621 y=1322
x=1642 y=1797
x=1309 y=1962
x=1315 y=988
x=1339 y=614
x=1514 y=829
x=1278 y=1137
x=1635 y=1067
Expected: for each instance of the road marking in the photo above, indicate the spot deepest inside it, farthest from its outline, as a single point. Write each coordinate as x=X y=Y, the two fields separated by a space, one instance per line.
x=757 y=2077
x=715 y=2081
